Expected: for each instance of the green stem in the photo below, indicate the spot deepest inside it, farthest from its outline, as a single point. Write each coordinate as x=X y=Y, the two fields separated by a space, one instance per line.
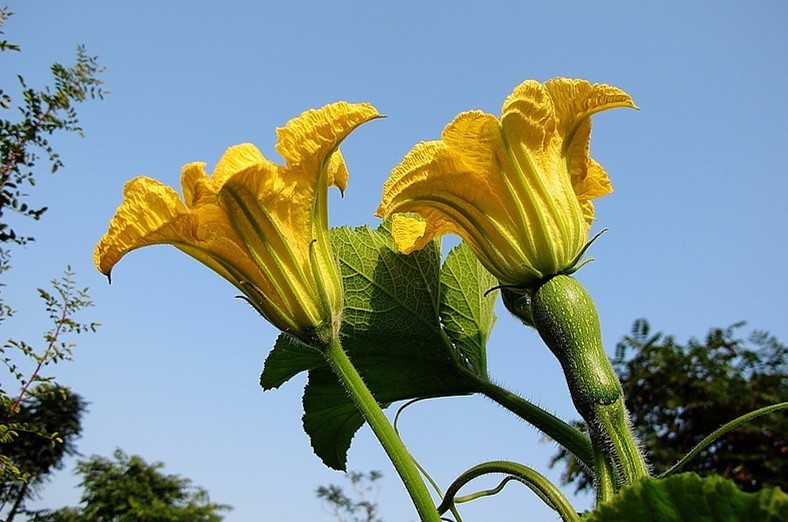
x=423 y=471
x=485 y=492
x=392 y=444
x=615 y=422
x=604 y=474
x=560 y=431
x=719 y=432
x=543 y=488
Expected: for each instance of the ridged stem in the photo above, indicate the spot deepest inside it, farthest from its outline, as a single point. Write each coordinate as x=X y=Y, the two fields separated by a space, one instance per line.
x=371 y=411
x=560 y=431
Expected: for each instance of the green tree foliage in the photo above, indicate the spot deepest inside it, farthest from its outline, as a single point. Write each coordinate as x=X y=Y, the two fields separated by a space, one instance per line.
x=40 y=114
x=679 y=393
x=128 y=489
x=47 y=424
x=20 y=408
x=26 y=125
x=356 y=508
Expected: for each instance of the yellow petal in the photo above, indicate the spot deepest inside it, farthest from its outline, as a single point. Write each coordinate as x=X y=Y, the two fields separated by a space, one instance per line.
x=529 y=116
x=197 y=187
x=317 y=132
x=589 y=179
x=596 y=184
x=478 y=136
x=475 y=172
x=260 y=225
x=309 y=145
x=409 y=233
x=234 y=160
x=577 y=100
x=152 y=214
x=280 y=250
x=460 y=168
x=528 y=123
x=265 y=216
x=337 y=172
x=518 y=190
x=455 y=189
x=145 y=217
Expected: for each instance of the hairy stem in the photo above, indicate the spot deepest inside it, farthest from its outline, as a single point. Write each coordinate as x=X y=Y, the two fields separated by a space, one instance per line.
x=560 y=431
x=605 y=479
x=566 y=319
x=392 y=444
x=615 y=423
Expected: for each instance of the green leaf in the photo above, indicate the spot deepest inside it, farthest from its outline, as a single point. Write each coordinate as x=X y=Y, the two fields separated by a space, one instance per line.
x=331 y=418
x=392 y=331
x=687 y=496
x=467 y=310
x=391 y=300
x=288 y=358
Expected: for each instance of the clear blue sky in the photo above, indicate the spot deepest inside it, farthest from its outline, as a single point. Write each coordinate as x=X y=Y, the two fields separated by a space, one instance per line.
x=697 y=223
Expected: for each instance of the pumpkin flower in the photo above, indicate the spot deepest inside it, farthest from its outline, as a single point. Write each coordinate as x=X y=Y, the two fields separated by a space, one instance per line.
x=517 y=189
x=261 y=226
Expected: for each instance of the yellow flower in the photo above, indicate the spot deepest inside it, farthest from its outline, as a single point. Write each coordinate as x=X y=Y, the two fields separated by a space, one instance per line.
x=261 y=226
x=517 y=188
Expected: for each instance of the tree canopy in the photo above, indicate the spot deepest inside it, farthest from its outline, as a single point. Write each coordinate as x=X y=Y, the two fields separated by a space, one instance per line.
x=40 y=420
x=677 y=393
x=128 y=489
x=48 y=423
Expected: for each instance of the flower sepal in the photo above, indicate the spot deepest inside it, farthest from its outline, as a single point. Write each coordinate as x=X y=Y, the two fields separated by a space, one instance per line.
x=518 y=299
x=518 y=302
x=579 y=262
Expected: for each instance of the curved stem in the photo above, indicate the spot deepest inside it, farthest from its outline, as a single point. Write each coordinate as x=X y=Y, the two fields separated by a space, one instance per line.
x=392 y=444
x=560 y=431
x=719 y=432
x=485 y=492
x=543 y=488
x=423 y=471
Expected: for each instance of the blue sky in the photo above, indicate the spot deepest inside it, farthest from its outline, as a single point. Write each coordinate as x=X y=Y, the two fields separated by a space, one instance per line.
x=697 y=223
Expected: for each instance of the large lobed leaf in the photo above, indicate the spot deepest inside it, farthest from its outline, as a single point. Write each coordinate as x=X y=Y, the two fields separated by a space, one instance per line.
x=687 y=497
x=467 y=310
x=411 y=328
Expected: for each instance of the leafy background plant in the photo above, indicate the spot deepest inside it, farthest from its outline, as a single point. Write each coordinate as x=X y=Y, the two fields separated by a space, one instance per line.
x=126 y=488
x=39 y=418
x=359 y=504
x=677 y=393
